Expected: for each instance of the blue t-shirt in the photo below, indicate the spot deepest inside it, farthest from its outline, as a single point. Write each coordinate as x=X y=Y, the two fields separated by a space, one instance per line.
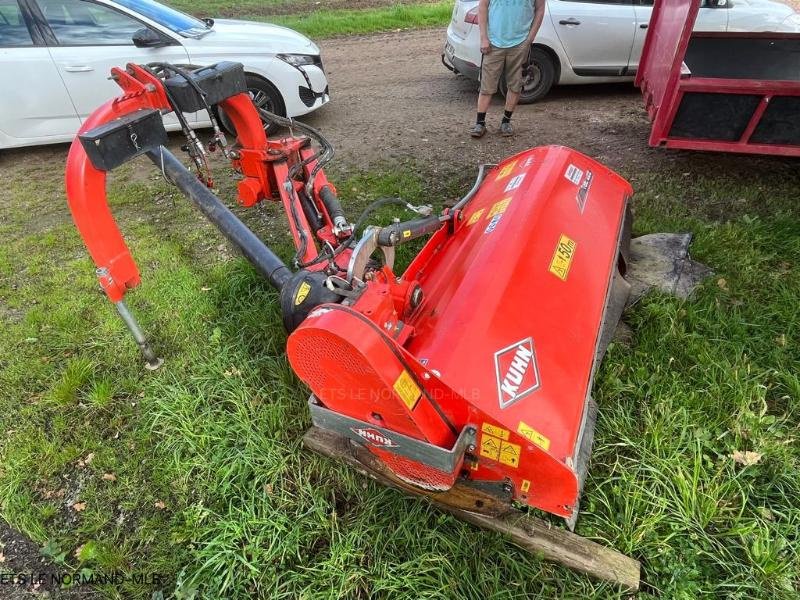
x=509 y=22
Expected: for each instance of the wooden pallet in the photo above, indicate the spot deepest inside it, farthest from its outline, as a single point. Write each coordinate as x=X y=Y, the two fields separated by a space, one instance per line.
x=532 y=534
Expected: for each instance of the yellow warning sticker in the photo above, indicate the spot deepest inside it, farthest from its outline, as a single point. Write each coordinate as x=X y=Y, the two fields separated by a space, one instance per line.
x=302 y=293
x=490 y=447
x=526 y=485
x=509 y=454
x=537 y=438
x=506 y=170
x=475 y=217
x=407 y=233
x=499 y=208
x=408 y=391
x=562 y=257
x=495 y=431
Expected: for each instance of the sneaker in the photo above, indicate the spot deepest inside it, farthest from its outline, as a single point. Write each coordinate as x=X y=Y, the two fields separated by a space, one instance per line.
x=506 y=130
x=478 y=130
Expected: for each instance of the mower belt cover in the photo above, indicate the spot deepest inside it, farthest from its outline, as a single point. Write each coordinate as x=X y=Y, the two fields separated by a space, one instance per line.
x=218 y=82
x=522 y=291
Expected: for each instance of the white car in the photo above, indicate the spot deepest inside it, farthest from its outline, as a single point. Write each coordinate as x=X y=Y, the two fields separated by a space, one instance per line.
x=596 y=41
x=56 y=55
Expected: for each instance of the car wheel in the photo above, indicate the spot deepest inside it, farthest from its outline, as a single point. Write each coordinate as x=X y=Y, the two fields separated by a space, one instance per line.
x=264 y=95
x=541 y=76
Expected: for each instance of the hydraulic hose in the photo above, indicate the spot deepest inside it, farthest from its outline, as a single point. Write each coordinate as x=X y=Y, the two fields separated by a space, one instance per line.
x=265 y=261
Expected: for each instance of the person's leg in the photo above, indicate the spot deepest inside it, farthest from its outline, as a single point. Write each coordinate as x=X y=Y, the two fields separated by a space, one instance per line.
x=483 y=102
x=511 y=101
x=491 y=70
x=483 y=106
x=514 y=64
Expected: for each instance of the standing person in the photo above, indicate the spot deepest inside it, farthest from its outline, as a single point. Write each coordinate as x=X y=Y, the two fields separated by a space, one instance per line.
x=508 y=28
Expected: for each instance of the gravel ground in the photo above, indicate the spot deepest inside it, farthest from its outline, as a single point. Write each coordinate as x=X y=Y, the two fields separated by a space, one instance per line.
x=393 y=98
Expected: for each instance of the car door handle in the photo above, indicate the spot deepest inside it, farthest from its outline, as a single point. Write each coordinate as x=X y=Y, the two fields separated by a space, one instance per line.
x=78 y=68
x=643 y=26
x=569 y=22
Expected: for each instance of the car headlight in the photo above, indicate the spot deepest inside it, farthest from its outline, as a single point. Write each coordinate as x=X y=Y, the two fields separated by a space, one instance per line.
x=300 y=60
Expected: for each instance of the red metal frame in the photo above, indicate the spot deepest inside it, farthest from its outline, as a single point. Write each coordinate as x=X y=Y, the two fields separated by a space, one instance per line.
x=664 y=80
x=263 y=163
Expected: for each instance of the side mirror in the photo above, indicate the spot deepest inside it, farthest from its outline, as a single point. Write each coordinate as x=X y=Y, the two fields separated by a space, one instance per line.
x=147 y=38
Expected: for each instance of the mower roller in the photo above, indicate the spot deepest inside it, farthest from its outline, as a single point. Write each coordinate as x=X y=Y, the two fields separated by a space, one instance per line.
x=468 y=377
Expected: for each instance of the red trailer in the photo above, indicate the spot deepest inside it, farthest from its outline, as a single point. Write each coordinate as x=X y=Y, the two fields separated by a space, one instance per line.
x=719 y=91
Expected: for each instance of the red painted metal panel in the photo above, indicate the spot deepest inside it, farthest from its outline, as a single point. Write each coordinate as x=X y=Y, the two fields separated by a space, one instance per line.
x=664 y=79
x=662 y=55
x=506 y=336
x=709 y=146
x=514 y=299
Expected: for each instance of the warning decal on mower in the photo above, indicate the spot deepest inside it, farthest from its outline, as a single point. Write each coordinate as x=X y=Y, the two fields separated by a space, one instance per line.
x=583 y=191
x=517 y=372
x=515 y=182
x=490 y=447
x=302 y=293
x=574 y=174
x=537 y=438
x=493 y=224
x=562 y=257
x=475 y=217
x=498 y=449
x=509 y=454
x=495 y=431
x=374 y=437
x=499 y=208
x=408 y=391
x=506 y=171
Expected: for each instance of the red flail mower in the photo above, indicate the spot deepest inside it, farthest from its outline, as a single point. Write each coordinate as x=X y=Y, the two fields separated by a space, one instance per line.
x=468 y=377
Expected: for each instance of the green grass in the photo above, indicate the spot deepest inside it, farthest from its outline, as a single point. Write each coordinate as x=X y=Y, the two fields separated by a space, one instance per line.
x=211 y=487
x=327 y=23
x=336 y=19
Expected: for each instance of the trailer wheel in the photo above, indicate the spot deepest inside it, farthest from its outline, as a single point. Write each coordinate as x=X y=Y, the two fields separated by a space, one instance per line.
x=264 y=95
x=541 y=76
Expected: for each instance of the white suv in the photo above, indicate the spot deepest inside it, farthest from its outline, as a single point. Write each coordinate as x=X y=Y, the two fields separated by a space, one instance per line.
x=595 y=41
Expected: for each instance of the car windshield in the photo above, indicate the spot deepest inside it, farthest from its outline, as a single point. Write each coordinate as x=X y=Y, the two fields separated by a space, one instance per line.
x=168 y=17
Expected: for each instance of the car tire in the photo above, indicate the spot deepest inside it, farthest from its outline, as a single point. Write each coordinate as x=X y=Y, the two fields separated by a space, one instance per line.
x=541 y=77
x=264 y=95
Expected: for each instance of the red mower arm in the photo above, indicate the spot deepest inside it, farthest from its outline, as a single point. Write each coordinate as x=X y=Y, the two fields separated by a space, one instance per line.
x=86 y=184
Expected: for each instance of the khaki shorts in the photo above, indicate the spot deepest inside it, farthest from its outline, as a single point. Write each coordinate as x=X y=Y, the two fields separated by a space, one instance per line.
x=504 y=60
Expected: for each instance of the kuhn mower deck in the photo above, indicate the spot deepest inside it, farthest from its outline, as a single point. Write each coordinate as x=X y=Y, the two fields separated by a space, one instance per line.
x=467 y=378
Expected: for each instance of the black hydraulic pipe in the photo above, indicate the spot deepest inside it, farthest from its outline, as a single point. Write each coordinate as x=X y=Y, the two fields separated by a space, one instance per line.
x=400 y=233
x=310 y=211
x=334 y=208
x=331 y=202
x=265 y=261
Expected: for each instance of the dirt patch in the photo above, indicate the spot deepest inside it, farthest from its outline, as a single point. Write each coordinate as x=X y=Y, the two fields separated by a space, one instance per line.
x=392 y=99
x=21 y=556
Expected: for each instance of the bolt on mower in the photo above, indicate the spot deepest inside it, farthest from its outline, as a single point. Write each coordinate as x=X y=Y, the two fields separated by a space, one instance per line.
x=467 y=378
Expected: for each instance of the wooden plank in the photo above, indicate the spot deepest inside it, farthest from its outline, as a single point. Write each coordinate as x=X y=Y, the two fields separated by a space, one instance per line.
x=532 y=534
